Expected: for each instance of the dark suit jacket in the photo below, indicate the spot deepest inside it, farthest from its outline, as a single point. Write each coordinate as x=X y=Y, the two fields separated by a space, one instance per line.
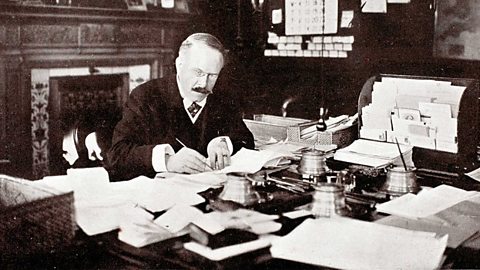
x=154 y=114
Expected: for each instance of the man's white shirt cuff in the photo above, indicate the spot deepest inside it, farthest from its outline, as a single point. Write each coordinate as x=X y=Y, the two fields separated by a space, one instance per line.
x=158 y=156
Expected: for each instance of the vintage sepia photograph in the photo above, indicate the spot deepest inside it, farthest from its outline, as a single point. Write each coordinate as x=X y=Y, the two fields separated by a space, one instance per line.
x=240 y=134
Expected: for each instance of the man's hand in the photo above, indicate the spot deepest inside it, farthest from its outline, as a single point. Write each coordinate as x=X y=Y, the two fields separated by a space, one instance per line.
x=218 y=154
x=93 y=149
x=187 y=160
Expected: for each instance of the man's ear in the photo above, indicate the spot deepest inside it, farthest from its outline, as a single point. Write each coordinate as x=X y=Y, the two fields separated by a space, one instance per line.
x=178 y=63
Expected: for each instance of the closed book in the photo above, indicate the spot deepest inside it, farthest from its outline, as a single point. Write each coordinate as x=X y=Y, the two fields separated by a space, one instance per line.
x=227 y=237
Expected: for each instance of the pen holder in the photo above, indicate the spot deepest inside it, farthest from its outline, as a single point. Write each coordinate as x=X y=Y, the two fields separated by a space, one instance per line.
x=400 y=181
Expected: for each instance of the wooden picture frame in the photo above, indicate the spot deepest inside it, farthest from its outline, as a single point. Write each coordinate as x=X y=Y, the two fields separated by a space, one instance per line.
x=136 y=4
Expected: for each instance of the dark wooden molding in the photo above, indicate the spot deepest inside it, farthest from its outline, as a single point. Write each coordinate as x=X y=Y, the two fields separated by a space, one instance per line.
x=14 y=12
x=40 y=37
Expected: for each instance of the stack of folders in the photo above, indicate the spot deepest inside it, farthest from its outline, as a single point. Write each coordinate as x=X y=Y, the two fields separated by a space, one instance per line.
x=333 y=124
x=375 y=154
x=417 y=112
x=220 y=235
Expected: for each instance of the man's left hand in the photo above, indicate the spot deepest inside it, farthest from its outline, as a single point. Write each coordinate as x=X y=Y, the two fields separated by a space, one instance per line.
x=218 y=154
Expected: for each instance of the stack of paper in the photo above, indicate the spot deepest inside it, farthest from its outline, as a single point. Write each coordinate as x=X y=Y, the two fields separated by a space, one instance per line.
x=350 y=244
x=374 y=153
x=417 y=112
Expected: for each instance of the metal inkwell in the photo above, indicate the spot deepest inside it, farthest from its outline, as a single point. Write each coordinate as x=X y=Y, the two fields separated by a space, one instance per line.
x=399 y=181
x=313 y=165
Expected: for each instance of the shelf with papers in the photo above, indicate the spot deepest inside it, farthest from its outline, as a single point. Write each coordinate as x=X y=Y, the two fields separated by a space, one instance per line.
x=459 y=158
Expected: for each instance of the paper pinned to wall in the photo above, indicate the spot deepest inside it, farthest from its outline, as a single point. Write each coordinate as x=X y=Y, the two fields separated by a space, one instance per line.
x=312 y=17
x=277 y=16
x=374 y=6
x=346 y=19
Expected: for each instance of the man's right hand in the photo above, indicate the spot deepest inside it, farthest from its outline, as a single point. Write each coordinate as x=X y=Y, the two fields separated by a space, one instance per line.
x=187 y=160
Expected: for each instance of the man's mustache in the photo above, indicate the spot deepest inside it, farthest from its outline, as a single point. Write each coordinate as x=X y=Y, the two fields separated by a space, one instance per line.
x=202 y=90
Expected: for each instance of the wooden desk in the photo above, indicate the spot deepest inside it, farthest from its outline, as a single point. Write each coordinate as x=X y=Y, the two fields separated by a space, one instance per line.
x=105 y=251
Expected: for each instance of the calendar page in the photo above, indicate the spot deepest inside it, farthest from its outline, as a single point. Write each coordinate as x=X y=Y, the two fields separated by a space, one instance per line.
x=308 y=17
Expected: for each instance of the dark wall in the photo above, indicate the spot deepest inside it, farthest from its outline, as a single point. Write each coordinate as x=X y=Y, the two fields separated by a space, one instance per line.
x=398 y=42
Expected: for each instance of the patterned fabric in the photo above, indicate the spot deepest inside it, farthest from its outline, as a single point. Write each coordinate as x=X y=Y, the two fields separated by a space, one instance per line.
x=193 y=109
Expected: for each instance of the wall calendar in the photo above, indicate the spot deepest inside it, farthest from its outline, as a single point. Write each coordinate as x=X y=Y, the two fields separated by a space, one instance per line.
x=310 y=17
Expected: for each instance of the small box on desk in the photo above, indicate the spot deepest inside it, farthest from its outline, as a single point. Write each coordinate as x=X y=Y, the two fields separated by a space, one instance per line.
x=438 y=116
x=33 y=221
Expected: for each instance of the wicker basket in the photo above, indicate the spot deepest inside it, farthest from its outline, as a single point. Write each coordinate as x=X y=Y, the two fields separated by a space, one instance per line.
x=341 y=138
x=32 y=220
x=264 y=127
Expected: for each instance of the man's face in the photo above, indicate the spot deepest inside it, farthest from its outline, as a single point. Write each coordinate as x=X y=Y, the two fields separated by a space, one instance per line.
x=197 y=70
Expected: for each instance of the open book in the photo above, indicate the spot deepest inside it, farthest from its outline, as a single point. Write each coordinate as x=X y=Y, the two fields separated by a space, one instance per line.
x=374 y=153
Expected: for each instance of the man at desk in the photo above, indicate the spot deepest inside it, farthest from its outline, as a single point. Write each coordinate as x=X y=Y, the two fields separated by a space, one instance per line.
x=180 y=124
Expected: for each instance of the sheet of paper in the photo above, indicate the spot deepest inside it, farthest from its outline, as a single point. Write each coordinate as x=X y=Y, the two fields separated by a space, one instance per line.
x=351 y=244
x=435 y=110
x=374 y=6
x=138 y=229
x=193 y=183
x=277 y=16
x=178 y=217
x=346 y=19
x=475 y=174
x=79 y=180
x=250 y=161
x=374 y=153
x=426 y=203
x=456 y=235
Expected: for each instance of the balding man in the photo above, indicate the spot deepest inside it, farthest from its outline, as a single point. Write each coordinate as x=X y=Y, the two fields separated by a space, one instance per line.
x=180 y=124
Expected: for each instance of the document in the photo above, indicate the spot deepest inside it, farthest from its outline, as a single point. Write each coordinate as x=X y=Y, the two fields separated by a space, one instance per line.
x=138 y=229
x=344 y=243
x=373 y=153
x=456 y=234
x=475 y=174
x=374 y=6
x=426 y=203
x=250 y=161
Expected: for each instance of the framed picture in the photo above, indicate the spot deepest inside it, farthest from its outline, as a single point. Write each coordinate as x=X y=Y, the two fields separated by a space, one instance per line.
x=136 y=4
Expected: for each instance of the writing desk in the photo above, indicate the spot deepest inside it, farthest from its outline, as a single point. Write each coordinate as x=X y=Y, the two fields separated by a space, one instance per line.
x=105 y=251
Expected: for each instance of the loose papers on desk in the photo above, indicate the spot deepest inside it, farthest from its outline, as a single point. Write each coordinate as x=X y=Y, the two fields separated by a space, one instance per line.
x=100 y=205
x=333 y=124
x=344 y=243
x=426 y=203
x=374 y=153
x=417 y=112
x=140 y=229
x=443 y=210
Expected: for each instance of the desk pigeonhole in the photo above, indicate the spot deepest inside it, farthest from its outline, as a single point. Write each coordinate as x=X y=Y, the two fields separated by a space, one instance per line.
x=439 y=117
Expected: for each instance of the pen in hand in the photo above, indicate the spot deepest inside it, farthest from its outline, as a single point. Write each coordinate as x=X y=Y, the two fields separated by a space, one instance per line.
x=180 y=142
x=206 y=164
